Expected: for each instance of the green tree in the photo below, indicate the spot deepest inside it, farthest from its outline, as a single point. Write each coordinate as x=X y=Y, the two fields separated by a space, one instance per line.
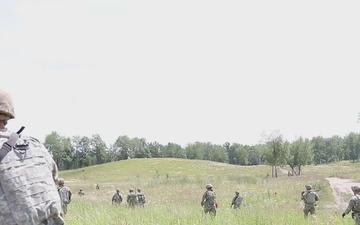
x=276 y=151
x=352 y=146
x=60 y=148
x=121 y=148
x=299 y=154
x=98 y=149
x=82 y=156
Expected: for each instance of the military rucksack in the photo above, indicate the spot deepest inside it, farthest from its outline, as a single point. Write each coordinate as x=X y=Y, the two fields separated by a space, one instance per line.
x=141 y=198
x=210 y=198
x=64 y=193
x=132 y=199
x=28 y=194
x=310 y=197
x=117 y=198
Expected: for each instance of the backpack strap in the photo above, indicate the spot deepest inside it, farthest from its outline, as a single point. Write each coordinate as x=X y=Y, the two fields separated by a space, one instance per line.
x=10 y=143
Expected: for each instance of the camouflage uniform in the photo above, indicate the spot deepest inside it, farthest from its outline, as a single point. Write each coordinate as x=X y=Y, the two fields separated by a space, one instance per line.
x=131 y=198
x=140 y=197
x=65 y=196
x=29 y=195
x=354 y=205
x=237 y=200
x=309 y=197
x=117 y=198
x=208 y=201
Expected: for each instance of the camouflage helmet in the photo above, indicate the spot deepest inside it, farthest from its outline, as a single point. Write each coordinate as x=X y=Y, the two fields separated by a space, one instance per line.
x=308 y=187
x=237 y=192
x=209 y=186
x=131 y=189
x=61 y=181
x=80 y=189
x=117 y=190
x=6 y=106
x=355 y=188
x=139 y=189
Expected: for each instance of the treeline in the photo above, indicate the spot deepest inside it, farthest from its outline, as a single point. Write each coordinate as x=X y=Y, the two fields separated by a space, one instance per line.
x=77 y=152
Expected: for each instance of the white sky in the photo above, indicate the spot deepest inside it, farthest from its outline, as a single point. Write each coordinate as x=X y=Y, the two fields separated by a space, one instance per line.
x=182 y=71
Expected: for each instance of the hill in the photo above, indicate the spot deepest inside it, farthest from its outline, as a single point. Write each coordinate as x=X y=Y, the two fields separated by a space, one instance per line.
x=173 y=188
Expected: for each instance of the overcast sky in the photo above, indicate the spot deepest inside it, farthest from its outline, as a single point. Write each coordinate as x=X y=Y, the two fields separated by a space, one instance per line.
x=182 y=71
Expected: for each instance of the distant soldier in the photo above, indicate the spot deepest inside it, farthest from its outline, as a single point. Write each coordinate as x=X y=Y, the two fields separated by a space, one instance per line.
x=65 y=196
x=131 y=198
x=140 y=197
x=97 y=187
x=309 y=197
x=237 y=200
x=117 y=198
x=354 y=205
x=208 y=201
x=81 y=192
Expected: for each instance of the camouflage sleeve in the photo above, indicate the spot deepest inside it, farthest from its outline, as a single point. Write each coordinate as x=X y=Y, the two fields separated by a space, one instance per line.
x=317 y=198
x=351 y=205
x=203 y=198
x=70 y=194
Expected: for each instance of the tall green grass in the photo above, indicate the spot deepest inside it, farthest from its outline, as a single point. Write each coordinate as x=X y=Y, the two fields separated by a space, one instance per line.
x=174 y=187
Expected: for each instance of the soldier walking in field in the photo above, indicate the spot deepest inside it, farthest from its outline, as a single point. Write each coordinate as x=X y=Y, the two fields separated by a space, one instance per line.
x=237 y=200
x=354 y=205
x=132 y=198
x=310 y=197
x=65 y=196
x=140 y=197
x=208 y=201
x=117 y=198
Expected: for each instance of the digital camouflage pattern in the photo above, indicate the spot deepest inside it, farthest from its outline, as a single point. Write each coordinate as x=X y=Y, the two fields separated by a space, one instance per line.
x=117 y=198
x=354 y=205
x=132 y=199
x=309 y=197
x=237 y=200
x=208 y=202
x=65 y=196
x=28 y=194
x=140 y=197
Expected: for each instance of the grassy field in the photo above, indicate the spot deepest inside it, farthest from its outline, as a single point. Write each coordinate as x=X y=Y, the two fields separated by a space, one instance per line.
x=174 y=187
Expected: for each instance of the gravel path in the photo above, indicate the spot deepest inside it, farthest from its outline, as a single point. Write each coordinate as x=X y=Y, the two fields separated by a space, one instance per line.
x=340 y=186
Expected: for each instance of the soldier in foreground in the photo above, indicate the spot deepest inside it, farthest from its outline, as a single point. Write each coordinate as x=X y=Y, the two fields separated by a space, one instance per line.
x=65 y=196
x=309 y=197
x=117 y=198
x=354 y=205
x=140 y=197
x=237 y=200
x=208 y=201
x=33 y=180
x=131 y=198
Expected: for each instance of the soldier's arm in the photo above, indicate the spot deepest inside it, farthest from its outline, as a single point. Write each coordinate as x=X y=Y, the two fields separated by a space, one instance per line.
x=70 y=194
x=317 y=198
x=350 y=206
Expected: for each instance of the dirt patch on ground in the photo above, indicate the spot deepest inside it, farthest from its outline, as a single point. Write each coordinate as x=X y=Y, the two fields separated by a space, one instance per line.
x=339 y=187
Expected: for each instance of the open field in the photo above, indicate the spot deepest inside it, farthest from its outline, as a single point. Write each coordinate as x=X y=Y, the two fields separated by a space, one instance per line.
x=174 y=187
